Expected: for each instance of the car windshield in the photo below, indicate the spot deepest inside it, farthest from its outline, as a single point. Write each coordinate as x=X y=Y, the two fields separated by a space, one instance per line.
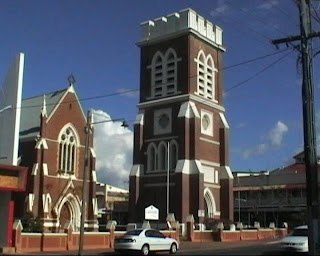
x=299 y=232
x=134 y=232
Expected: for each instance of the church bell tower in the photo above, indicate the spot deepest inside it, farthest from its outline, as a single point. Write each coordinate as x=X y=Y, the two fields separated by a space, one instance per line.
x=181 y=135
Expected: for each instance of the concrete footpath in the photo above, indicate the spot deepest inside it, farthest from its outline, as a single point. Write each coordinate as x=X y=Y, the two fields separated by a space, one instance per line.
x=184 y=246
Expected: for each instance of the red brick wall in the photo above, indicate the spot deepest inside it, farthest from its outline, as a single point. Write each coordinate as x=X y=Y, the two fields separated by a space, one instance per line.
x=59 y=241
x=54 y=242
x=249 y=235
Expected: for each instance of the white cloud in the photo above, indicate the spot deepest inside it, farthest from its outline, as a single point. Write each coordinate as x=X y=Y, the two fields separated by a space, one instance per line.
x=267 y=5
x=276 y=134
x=274 y=139
x=221 y=9
x=114 y=147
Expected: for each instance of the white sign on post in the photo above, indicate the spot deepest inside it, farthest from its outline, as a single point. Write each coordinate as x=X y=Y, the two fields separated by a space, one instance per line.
x=151 y=213
x=200 y=213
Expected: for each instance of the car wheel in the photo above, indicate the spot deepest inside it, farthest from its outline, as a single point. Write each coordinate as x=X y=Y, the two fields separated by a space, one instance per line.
x=145 y=249
x=173 y=248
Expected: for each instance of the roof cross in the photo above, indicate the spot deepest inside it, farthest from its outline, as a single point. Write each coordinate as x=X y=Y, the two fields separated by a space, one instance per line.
x=71 y=79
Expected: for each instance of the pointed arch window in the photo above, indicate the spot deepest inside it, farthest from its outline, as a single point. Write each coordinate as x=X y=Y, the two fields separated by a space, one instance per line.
x=164 y=74
x=173 y=155
x=162 y=157
x=152 y=157
x=171 y=72
x=206 y=76
x=67 y=151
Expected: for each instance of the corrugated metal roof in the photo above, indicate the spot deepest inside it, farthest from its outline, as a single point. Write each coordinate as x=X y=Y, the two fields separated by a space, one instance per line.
x=31 y=109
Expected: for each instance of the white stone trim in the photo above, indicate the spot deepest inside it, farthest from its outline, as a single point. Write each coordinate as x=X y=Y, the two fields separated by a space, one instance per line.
x=188 y=110
x=50 y=224
x=95 y=206
x=74 y=207
x=30 y=201
x=35 y=169
x=207 y=102
x=184 y=97
x=210 y=163
x=41 y=142
x=91 y=225
x=210 y=141
x=224 y=120
x=94 y=176
x=55 y=234
x=186 y=20
x=209 y=174
x=46 y=202
x=140 y=118
x=189 y=166
x=69 y=90
x=17 y=225
x=210 y=129
x=45 y=169
x=32 y=234
x=93 y=152
x=64 y=192
x=211 y=204
x=136 y=170
x=225 y=172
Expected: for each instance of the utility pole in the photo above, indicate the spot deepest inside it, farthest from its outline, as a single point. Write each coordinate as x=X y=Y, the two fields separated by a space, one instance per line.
x=84 y=182
x=310 y=147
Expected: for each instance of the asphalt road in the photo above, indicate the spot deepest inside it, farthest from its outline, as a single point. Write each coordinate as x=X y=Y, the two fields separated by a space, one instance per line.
x=260 y=247
x=267 y=247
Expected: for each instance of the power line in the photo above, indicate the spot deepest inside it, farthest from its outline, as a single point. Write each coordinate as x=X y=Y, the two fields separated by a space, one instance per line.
x=316 y=17
x=253 y=60
x=84 y=99
x=136 y=89
x=258 y=73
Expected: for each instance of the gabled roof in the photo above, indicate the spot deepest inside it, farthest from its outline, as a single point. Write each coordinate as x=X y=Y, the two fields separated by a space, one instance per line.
x=31 y=109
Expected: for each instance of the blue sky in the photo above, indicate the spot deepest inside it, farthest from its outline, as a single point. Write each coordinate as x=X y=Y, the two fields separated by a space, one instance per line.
x=95 y=40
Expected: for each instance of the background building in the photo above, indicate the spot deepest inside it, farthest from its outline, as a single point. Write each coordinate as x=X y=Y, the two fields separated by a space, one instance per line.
x=181 y=126
x=276 y=196
x=12 y=182
x=112 y=204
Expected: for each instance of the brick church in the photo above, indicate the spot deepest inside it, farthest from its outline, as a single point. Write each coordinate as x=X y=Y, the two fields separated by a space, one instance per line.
x=52 y=145
x=181 y=128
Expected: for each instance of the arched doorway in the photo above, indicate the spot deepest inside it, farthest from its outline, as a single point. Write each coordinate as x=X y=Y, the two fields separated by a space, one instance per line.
x=69 y=212
x=209 y=205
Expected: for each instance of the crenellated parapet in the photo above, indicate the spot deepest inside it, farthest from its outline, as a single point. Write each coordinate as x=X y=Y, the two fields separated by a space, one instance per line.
x=186 y=20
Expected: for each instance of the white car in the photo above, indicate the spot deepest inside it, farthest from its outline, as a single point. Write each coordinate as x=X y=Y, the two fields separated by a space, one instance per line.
x=145 y=241
x=297 y=240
